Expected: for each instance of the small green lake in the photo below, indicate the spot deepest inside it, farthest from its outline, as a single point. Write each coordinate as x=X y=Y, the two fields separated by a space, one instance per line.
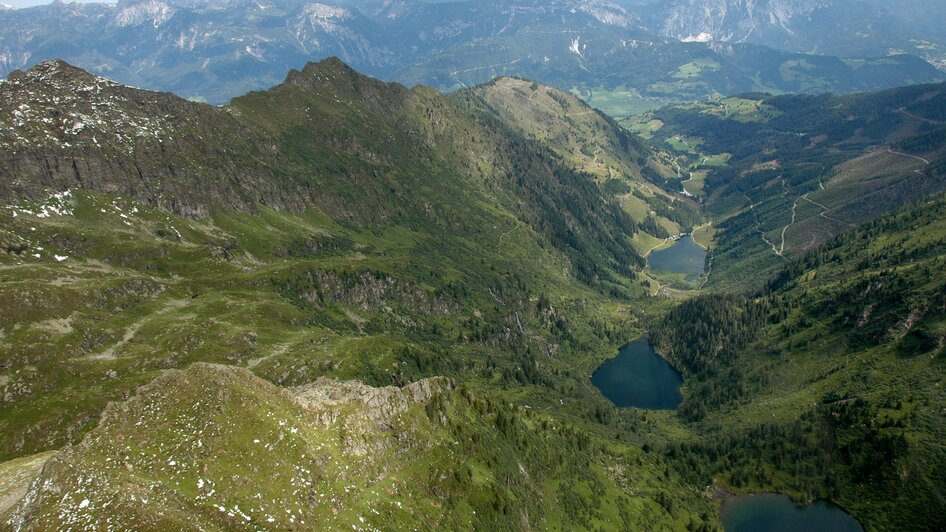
x=777 y=513
x=684 y=257
x=639 y=377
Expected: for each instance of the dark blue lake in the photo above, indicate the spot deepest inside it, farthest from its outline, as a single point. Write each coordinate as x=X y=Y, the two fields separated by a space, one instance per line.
x=684 y=256
x=639 y=377
x=777 y=513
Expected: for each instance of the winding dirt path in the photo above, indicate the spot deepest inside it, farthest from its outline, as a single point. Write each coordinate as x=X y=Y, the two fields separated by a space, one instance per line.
x=781 y=249
x=917 y=157
x=824 y=213
x=758 y=228
x=920 y=118
x=111 y=353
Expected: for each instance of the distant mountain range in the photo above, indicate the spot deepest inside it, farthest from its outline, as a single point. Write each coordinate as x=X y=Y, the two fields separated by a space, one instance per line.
x=215 y=50
x=845 y=28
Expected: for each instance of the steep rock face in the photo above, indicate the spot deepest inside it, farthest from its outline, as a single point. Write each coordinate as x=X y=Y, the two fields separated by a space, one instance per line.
x=196 y=48
x=213 y=51
x=191 y=47
x=63 y=128
x=364 y=291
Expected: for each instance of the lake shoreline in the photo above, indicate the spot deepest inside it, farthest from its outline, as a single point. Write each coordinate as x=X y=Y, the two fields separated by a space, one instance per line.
x=682 y=263
x=638 y=377
x=810 y=511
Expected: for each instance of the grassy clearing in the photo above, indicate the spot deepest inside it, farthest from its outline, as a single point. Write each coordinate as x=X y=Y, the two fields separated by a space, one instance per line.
x=696 y=184
x=705 y=236
x=696 y=68
x=716 y=161
x=618 y=103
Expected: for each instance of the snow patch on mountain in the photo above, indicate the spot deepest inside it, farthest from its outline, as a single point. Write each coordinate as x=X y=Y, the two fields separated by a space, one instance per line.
x=702 y=37
x=55 y=105
x=733 y=20
x=325 y=14
x=154 y=12
x=607 y=12
x=575 y=46
x=393 y=9
x=316 y=18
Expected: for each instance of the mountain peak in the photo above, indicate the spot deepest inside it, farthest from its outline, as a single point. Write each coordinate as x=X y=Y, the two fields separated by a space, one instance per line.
x=52 y=82
x=331 y=73
x=49 y=70
x=334 y=77
x=328 y=65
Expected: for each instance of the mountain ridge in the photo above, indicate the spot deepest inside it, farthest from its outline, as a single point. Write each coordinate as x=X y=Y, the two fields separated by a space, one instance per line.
x=313 y=441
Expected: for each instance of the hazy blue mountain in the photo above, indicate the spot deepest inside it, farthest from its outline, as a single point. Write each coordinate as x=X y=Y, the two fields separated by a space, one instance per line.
x=215 y=50
x=846 y=28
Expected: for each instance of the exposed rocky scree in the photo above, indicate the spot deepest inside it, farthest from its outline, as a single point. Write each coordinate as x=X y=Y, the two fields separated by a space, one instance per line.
x=62 y=128
x=293 y=445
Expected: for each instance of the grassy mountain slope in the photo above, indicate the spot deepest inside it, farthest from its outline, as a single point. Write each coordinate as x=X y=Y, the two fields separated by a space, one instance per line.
x=584 y=138
x=337 y=455
x=781 y=175
x=261 y=151
x=423 y=130
x=396 y=223
x=828 y=384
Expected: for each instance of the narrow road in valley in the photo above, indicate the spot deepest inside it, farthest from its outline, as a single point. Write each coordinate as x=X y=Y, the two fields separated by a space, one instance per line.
x=697 y=228
x=917 y=157
x=781 y=250
x=758 y=228
x=824 y=213
x=651 y=250
x=920 y=118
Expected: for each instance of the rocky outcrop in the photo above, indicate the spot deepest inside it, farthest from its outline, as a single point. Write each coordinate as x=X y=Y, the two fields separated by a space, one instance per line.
x=328 y=399
x=368 y=418
x=62 y=128
x=365 y=291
